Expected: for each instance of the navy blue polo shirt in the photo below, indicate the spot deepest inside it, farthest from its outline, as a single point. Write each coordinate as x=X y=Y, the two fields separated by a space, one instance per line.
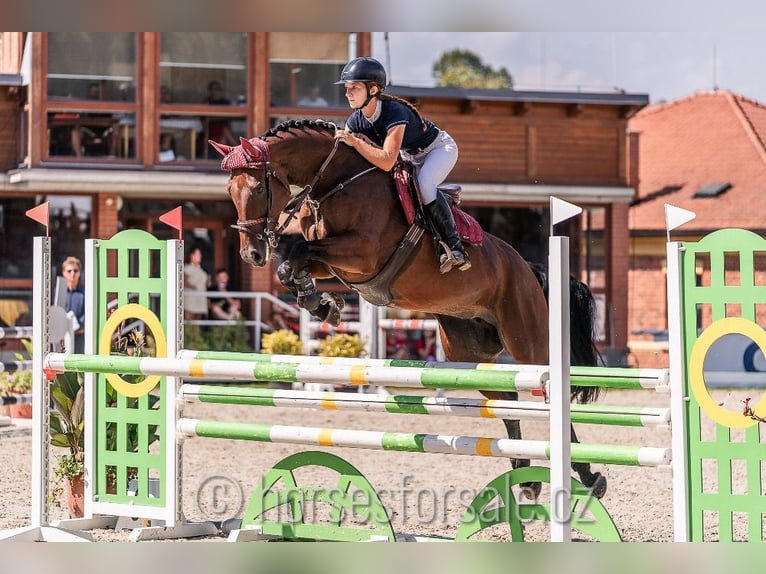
x=392 y=114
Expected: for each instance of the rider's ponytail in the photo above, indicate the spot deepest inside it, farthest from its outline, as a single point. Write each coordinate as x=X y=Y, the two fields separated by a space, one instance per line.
x=384 y=96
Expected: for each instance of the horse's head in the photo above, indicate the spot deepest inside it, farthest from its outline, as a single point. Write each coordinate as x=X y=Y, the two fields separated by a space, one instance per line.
x=252 y=186
x=262 y=170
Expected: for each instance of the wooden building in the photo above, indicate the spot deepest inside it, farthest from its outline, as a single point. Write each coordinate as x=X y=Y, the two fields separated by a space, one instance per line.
x=112 y=130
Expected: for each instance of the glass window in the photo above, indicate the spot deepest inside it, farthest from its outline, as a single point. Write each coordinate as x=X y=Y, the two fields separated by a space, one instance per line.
x=91 y=134
x=190 y=63
x=185 y=137
x=304 y=67
x=92 y=66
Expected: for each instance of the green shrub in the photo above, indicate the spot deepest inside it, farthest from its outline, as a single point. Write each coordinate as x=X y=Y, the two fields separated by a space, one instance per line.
x=228 y=338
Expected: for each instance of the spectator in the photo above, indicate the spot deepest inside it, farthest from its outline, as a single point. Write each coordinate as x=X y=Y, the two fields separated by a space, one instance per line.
x=313 y=99
x=224 y=308
x=165 y=96
x=167 y=147
x=195 y=279
x=74 y=304
x=97 y=137
x=218 y=128
x=426 y=346
x=398 y=344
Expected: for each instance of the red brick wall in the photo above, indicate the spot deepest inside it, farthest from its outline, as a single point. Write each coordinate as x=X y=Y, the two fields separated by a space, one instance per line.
x=105 y=215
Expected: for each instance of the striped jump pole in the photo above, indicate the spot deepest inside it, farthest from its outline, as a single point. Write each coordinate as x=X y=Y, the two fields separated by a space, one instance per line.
x=421 y=405
x=489 y=380
x=342 y=327
x=614 y=378
x=416 y=442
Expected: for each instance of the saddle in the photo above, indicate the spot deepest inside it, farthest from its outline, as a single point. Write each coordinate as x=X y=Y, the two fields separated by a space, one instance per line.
x=468 y=228
x=378 y=289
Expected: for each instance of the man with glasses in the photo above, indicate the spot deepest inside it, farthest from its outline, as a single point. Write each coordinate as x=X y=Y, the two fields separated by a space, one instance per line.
x=74 y=304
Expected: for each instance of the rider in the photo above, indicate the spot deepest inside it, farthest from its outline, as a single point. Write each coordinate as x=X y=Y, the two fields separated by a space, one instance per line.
x=397 y=127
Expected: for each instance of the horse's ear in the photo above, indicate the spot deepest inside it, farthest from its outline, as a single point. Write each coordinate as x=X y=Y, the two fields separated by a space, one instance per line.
x=250 y=149
x=223 y=149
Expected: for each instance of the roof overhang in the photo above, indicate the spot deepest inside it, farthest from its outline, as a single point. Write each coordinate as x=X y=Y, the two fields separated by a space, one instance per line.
x=578 y=194
x=200 y=185
x=129 y=183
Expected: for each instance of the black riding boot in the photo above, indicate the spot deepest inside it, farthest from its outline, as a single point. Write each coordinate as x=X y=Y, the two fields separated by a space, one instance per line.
x=441 y=216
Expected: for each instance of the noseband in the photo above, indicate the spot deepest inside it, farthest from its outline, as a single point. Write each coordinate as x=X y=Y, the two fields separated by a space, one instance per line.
x=247 y=225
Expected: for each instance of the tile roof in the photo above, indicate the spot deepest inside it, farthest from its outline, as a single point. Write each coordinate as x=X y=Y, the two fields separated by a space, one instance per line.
x=707 y=138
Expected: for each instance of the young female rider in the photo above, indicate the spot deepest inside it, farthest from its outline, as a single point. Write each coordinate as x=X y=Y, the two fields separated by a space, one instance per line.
x=397 y=127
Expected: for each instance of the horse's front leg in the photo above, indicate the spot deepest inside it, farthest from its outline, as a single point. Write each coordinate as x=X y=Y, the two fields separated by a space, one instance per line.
x=296 y=276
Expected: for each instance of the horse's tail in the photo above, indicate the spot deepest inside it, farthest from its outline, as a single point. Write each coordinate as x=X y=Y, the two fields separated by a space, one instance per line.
x=582 y=331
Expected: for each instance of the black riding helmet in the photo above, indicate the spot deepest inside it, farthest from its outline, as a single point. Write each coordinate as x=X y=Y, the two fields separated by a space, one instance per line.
x=367 y=70
x=364 y=70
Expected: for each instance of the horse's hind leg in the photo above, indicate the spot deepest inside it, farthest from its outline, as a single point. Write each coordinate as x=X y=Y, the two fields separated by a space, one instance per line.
x=531 y=490
x=593 y=480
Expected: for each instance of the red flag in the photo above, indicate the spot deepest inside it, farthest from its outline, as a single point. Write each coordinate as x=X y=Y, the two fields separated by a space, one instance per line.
x=40 y=215
x=174 y=218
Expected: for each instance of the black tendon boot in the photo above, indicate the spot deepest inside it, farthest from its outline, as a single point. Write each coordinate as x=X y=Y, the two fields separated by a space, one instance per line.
x=441 y=216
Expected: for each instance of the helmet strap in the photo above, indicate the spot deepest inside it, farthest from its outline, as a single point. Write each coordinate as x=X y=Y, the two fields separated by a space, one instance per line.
x=369 y=97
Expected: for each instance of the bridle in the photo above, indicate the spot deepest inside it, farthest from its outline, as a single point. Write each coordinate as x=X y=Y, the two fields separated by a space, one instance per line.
x=294 y=205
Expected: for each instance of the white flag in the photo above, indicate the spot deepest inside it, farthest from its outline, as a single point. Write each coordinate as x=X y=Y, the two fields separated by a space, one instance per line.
x=562 y=210
x=677 y=216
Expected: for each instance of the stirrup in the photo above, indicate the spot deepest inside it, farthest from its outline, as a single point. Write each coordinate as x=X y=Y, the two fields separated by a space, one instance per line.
x=453 y=258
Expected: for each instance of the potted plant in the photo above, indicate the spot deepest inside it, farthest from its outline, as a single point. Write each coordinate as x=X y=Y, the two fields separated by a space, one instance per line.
x=18 y=383
x=281 y=342
x=342 y=345
x=67 y=424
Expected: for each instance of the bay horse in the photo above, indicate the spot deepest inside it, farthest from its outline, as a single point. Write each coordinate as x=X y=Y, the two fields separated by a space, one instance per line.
x=353 y=224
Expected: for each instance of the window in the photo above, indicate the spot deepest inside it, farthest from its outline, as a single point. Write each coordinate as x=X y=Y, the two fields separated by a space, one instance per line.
x=91 y=88
x=191 y=62
x=304 y=67
x=92 y=66
x=201 y=69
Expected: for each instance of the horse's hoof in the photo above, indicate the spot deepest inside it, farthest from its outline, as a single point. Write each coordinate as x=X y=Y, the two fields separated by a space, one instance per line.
x=329 y=310
x=598 y=488
x=531 y=490
x=330 y=306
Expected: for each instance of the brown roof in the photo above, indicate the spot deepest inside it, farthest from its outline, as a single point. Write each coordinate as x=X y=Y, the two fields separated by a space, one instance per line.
x=706 y=138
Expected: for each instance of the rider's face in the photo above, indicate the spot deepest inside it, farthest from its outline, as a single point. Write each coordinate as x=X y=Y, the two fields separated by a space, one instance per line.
x=356 y=93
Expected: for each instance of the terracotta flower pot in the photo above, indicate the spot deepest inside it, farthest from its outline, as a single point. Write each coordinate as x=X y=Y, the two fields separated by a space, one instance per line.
x=23 y=411
x=75 y=491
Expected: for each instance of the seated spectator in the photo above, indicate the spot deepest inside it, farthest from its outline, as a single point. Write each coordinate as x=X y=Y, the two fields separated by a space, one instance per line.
x=218 y=128
x=223 y=308
x=95 y=133
x=426 y=346
x=167 y=147
x=313 y=99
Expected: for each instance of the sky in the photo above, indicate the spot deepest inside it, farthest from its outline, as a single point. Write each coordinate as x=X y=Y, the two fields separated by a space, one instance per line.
x=664 y=65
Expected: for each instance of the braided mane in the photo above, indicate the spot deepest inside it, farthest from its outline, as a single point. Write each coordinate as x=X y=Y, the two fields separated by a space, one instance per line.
x=303 y=125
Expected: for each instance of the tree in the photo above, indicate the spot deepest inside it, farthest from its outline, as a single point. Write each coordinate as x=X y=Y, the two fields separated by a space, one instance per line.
x=464 y=69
